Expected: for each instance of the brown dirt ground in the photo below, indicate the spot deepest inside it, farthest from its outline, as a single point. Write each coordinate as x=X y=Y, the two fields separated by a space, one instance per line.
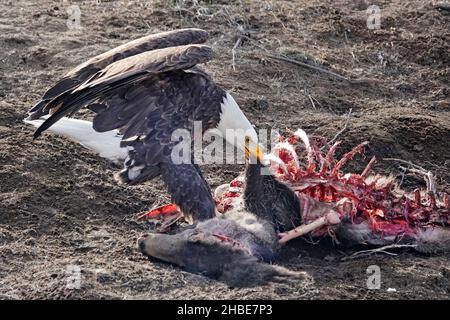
x=60 y=206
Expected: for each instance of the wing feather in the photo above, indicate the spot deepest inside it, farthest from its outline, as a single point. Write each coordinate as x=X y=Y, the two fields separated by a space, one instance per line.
x=147 y=97
x=152 y=62
x=122 y=73
x=86 y=70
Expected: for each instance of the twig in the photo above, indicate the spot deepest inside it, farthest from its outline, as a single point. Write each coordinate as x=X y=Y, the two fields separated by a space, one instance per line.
x=429 y=178
x=402 y=179
x=346 y=38
x=309 y=66
x=378 y=250
x=302 y=64
x=310 y=240
x=233 y=51
x=312 y=102
x=342 y=130
x=406 y=162
x=318 y=102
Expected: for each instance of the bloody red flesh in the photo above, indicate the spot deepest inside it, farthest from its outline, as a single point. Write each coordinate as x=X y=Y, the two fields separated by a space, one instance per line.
x=160 y=212
x=312 y=170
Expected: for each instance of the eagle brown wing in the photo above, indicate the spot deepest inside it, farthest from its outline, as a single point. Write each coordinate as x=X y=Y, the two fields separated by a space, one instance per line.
x=84 y=71
x=127 y=71
x=147 y=97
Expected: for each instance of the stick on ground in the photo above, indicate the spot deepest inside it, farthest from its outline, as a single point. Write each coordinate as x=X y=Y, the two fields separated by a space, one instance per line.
x=316 y=68
x=428 y=176
x=364 y=253
x=233 y=51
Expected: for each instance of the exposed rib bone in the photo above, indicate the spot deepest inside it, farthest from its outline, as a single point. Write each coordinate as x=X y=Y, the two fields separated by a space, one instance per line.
x=310 y=158
x=328 y=157
x=432 y=199
x=417 y=197
x=317 y=153
x=348 y=156
x=368 y=167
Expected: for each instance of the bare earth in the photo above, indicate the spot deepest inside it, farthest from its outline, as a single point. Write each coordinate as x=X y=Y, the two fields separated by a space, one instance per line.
x=60 y=207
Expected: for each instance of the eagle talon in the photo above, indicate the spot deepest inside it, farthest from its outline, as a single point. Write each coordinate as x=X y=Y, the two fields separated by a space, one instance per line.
x=169 y=221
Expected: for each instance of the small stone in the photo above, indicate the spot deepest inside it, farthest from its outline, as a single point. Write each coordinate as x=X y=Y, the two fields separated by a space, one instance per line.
x=391 y=290
x=418 y=147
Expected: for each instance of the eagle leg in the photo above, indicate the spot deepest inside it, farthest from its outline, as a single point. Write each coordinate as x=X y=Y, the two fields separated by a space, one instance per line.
x=170 y=221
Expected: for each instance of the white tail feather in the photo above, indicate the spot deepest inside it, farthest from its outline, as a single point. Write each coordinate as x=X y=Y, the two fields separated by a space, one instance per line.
x=106 y=144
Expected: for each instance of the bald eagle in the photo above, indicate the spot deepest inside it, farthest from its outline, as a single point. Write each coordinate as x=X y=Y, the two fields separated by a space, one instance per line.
x=141 y=92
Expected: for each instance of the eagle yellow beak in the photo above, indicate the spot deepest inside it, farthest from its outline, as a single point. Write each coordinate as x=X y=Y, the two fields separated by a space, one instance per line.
x=253 y=151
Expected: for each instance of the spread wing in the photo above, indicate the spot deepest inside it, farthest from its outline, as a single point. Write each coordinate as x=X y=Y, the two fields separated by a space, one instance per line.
x=147 y=97
x=146 y=66
x=84 y=71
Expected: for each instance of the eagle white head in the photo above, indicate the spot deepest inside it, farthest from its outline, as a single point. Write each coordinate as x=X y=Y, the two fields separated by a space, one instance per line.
x=237 y=130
